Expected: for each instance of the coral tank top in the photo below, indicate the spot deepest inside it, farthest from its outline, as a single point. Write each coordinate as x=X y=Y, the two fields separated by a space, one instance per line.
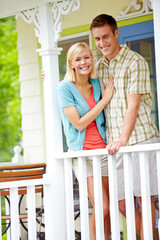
x=93 y=139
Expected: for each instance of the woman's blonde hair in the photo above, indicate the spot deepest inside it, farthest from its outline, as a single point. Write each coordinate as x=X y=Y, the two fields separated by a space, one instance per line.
x=73 y=51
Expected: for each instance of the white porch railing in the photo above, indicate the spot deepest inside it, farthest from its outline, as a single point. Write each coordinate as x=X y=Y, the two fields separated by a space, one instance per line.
x=115 y=226
x=114 y=212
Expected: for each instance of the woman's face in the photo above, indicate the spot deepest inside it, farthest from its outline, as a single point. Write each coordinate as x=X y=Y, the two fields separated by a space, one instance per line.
x=83 y=62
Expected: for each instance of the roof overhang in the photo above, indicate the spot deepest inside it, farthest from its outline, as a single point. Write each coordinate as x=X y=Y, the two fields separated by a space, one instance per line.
x=12 y=7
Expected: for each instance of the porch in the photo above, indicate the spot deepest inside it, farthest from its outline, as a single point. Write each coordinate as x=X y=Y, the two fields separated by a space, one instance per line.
x=58 y=182
x=65 y=228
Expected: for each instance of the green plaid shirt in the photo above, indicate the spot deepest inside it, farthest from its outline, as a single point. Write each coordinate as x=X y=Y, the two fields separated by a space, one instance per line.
x=131 y=76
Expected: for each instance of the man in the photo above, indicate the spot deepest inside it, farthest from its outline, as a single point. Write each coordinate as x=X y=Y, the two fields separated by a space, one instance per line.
x=128 y=115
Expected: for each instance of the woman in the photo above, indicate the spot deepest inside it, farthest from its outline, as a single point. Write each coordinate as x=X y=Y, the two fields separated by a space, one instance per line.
x=80 y=103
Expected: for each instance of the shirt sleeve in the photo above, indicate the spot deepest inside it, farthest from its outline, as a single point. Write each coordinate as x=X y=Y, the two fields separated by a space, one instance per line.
x=65 y=96
x=139 y=78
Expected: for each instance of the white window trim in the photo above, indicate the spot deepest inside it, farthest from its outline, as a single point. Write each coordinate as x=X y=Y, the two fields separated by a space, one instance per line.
x=78 y=35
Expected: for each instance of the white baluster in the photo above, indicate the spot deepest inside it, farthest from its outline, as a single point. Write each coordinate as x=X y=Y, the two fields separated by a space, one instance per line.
x=69 y=198
x=31 y=213
x=114 y=211
x=98 y=198
x=15 y=229
x=83 y=198
x=128 y=177
x=146 y=200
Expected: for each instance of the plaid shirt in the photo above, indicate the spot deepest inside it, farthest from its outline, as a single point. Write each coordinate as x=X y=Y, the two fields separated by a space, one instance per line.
x=131 y=76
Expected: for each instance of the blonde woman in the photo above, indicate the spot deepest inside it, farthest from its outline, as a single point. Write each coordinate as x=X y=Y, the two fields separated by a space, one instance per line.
x=81 y=108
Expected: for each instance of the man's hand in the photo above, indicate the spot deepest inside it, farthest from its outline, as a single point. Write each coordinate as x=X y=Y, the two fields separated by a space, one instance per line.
x=113 y=147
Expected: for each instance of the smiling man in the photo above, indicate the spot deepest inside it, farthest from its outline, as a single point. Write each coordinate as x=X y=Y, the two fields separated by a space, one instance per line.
x=128 y=115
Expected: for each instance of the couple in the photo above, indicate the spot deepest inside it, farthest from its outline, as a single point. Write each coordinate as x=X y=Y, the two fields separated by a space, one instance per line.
x=126 y=101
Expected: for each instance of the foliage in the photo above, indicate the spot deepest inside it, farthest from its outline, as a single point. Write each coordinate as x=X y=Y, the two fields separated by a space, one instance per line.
x=10 y=124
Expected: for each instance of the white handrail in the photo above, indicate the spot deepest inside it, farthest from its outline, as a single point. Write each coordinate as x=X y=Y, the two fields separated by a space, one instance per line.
x=99 y=152
x=33 y=182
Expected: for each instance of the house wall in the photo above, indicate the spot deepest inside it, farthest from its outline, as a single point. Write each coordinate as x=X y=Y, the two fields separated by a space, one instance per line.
x=30 y=93
x=91 y=8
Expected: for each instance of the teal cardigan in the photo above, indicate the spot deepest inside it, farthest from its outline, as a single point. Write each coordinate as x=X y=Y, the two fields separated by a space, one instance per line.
x=69 y=95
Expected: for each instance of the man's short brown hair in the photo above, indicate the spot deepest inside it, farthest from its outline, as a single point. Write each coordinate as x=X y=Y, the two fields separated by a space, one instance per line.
x=104 y=19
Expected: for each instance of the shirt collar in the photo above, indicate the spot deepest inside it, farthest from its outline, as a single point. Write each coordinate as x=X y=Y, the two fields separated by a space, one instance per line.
x=119 y=57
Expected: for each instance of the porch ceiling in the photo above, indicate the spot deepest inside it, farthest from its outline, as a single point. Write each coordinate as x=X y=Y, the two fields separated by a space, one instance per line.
x=12 y=7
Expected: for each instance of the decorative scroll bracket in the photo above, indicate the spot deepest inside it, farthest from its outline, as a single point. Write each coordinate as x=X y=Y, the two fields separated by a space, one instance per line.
x=58 y=9
x=143 y=8
x=62 y=8
x=31 y=16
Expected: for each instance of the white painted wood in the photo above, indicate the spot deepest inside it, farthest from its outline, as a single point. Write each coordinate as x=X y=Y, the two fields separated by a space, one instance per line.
x=158 y=176
x=156 y=22
x=129 y=198
x=28 y=71
x=48 y=211
x=53 y=129
x=82 y=177
x=31 y=213
x=69 y=199
x=98 y=198
x=99 y=152
x=34 y=152
x=114 y=211
x=49 y=55
x=17 y=155
x=15 y=228
x=10 y=7
x=146 y=200
x=31 y=104
x=33 y=138
x=22 y=183
x=25 y=37
x=32 y=121
x=28 y=55
x=144 y=8
x=53 y=224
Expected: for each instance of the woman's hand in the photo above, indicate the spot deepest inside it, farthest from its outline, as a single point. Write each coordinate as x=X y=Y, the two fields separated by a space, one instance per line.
x=42 y=75
x=108 y=90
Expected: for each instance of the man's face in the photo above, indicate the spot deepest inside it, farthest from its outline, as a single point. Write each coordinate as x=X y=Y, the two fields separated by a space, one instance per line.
x=106 y=41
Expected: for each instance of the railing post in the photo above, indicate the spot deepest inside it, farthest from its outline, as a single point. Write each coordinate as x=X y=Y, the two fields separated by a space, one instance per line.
x=31 y=213
x=130 y=213
x=146 y=198
x=69 y=198
x=15 y=229
x=83 y=198
x=54 y=211
x=114 y=211
x=98 y=198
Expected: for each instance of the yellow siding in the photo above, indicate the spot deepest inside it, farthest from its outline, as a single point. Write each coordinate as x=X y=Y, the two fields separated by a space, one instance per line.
x=89 y=9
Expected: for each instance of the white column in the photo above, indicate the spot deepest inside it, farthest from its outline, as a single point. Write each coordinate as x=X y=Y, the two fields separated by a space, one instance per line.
x=156 y=20
x=49 y=53
x=53 y=132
